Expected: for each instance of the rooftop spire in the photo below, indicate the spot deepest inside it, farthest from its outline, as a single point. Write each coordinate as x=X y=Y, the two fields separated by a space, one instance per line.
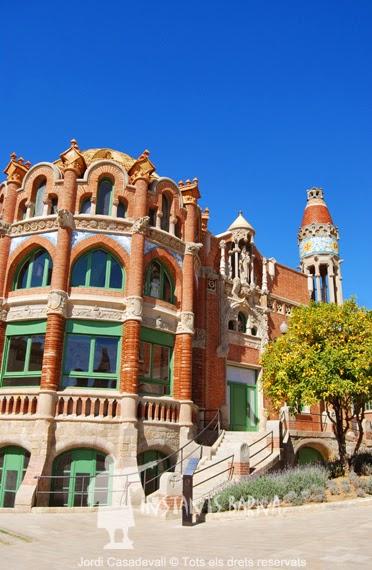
x=316 y=210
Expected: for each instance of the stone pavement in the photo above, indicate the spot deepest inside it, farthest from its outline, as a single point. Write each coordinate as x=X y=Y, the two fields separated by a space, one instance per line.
x=315 y=539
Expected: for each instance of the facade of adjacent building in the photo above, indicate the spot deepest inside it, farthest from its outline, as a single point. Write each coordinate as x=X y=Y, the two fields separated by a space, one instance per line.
x=123 y=318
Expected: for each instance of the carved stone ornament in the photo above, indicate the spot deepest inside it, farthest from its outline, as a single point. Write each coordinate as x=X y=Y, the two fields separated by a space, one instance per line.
x=95 y=313
x=140 y=225
x=65 y=219
x=57 y=302
x=186 y=323
x=192 y=248
x=30 y=226
x=25 y=312
x=133 y=309
x=4 y=227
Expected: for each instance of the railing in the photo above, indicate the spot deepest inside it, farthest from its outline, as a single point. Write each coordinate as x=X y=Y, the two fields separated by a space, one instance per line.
x=209 y=424
x=268 y=442
x=87 y=406
x=308 y=422
x=158 y=410
x=18 y=404
x=188 y=487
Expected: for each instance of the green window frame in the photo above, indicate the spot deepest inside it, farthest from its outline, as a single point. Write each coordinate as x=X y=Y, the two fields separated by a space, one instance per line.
x=32 y=333
x=91 y=336
x=158 y=282
x=13 y=465
x=88 y=272
x=102 y=208
x=149 y=381
x=28 y=268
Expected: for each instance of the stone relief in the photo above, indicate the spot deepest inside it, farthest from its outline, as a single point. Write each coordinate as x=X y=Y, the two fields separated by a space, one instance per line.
x=186 y=323
x=28 y=226
x=65 y=219
x=166 y=239
x=133 y=309
x=57 y=302
x=27 y=312
x=159 y=323
x=104 y=225
x=192 y=248
x=140 y=225
x=95 y=312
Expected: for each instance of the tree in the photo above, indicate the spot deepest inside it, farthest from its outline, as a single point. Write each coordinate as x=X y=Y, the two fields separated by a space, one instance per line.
x=326 y=355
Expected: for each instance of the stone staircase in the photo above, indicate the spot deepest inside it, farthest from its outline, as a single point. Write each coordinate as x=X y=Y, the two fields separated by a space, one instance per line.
x=213 y=472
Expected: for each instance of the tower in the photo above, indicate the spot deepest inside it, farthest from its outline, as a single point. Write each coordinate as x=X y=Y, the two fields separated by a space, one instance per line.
x=319 y=252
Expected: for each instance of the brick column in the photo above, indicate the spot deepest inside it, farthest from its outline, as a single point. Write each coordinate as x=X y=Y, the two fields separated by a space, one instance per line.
x=74 y=166
x=129 y=367
x=15 y=172
x=185 y=329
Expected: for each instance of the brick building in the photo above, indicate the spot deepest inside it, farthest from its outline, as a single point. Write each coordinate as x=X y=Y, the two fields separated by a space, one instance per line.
x=123 y=318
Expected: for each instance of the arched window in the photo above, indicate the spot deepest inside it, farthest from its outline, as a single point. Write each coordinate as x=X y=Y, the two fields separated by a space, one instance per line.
x=35 y=271
x=82 y=478
x=39 y=198
x=97 y=268
x=242 y=323
x=13 y=465
x=122 y=209
x=85 y=206
x=166 y=206
x=53 y=205
x=22 y=210
x=104 y=197
x=158 y=283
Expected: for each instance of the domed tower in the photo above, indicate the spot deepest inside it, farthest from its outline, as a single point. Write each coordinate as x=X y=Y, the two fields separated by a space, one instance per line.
x=319 y=253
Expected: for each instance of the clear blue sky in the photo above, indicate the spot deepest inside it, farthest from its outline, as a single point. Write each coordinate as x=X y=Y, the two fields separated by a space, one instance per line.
x=258 y=99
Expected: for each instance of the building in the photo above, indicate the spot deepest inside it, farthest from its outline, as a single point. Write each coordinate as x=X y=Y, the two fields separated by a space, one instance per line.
x=123 y=318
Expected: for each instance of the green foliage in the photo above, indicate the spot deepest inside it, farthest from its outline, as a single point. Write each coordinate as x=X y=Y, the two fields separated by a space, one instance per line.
x=326 y=356
x=287 y=485
x=362 y=463
x=335 y=469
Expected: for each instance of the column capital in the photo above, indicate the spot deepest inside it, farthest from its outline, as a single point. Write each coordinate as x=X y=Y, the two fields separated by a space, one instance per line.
x=72 y=159
x=142 y=168
x=16 y=169
x=190 y=191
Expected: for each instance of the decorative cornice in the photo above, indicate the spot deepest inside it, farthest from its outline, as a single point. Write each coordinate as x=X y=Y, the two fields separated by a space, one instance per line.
x=33 y=226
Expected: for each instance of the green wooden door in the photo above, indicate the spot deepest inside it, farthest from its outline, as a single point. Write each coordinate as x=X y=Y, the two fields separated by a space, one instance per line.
x=243 y=407
x=13 y=465
x=308 y=455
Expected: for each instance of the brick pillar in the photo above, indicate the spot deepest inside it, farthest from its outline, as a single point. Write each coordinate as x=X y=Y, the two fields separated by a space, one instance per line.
x=74 y=166
x=185 y=328
x=15 y=172
x=133 y=313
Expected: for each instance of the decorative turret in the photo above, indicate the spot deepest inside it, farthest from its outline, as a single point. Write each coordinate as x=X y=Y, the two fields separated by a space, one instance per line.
x=237 y=253
x=319 y=254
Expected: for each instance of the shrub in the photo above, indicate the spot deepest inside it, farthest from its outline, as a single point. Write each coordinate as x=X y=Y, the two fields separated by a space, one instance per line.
x=317 y=494
x=345 y=487
x=360 y=492
x=287 y=484
x=335 y=469
x=362 y=463
x=368 y=487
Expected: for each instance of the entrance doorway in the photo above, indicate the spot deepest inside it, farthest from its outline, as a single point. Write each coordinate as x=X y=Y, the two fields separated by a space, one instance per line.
x=242 y=388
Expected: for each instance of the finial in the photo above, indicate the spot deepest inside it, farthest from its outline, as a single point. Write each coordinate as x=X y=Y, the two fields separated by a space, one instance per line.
x=74 y=143
x=13 y=156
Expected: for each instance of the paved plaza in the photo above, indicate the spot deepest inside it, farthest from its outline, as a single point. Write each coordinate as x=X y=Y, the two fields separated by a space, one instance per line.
x=315 y=539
